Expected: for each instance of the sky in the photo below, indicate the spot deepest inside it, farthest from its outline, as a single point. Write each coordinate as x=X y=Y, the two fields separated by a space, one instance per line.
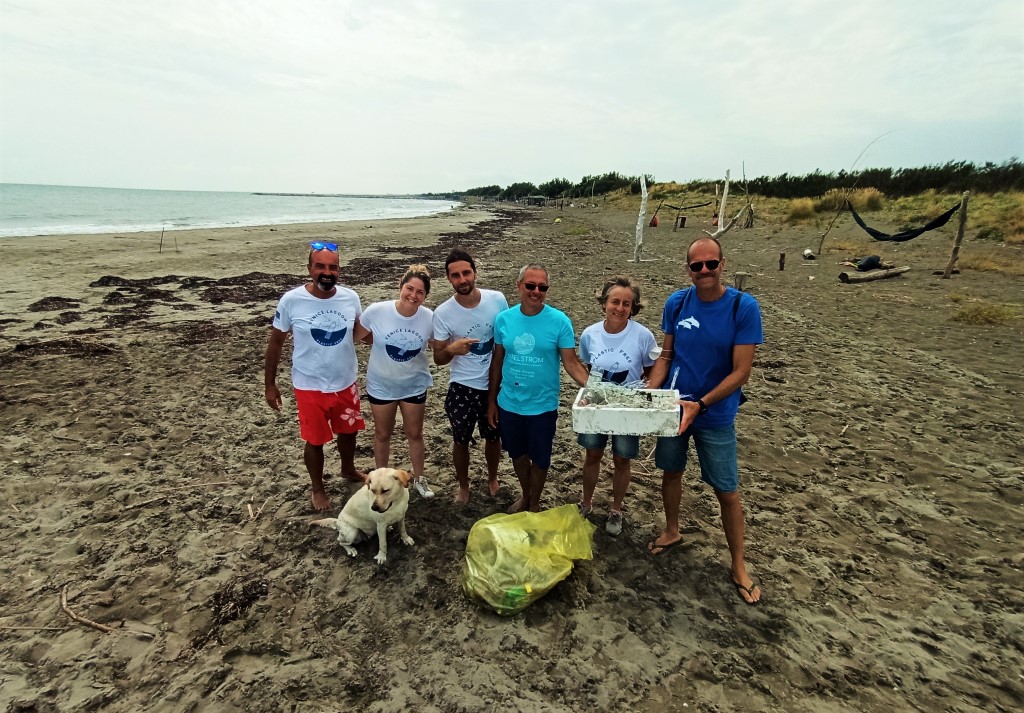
x=388 y=96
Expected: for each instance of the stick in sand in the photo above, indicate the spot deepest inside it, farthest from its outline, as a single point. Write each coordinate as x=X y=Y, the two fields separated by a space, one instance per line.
x=80 y=619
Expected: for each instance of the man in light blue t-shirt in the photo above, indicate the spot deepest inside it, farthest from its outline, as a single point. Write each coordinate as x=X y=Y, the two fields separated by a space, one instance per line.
x=531 y=342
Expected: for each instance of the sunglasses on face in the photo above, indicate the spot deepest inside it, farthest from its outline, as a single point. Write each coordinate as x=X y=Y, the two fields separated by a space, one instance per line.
x=333 y=247
x=531 y=286
x=712 y=265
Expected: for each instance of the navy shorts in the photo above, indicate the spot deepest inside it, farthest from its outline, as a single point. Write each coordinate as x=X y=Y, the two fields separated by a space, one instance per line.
x=467 y=410
x=532 y=436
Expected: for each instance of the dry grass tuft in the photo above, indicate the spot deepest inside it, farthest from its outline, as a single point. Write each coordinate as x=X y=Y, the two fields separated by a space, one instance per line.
x=1007 y=261
x=862 y=199
x=981 y=312
x=800 y=209
x=577 y=230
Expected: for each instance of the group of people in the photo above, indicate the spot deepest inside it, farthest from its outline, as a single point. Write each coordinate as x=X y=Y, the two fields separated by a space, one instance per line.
x=505 y=378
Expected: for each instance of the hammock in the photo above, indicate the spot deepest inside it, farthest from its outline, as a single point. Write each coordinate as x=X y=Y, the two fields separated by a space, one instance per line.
x=906 y=234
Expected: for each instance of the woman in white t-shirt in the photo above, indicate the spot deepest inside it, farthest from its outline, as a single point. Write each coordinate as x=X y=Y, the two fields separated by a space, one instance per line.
x=397 y=372
x=621 y=351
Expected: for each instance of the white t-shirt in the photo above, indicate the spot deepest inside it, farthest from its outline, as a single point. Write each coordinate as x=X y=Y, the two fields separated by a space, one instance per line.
x=619 y=358
x=453 y=321
x=398 y=366
x=324 y=355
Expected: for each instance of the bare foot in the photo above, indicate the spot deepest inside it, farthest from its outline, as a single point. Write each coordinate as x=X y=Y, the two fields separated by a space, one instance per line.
x=462 y=497
x=492 y=486
x=518 y=506
x=356 y=476
x=320 y=501
x=749 y=592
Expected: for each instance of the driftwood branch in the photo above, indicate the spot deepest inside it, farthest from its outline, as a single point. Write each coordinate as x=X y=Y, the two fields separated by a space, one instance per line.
x=959 y=236
x=638 y=248
x=871 y=276
x=722 y=227
x=81 y=619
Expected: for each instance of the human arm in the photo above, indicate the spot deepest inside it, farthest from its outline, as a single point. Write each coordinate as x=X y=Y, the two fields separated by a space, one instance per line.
x=494 y=384
x=573 y=366
x=361 y=333
x=659 y=372
x=274 y=347
x=742 y=363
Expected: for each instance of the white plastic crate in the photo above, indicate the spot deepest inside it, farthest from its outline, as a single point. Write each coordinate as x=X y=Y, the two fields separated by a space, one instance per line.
x=660 y=419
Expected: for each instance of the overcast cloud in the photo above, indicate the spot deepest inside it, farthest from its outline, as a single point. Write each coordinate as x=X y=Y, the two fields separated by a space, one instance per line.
x=389 y=96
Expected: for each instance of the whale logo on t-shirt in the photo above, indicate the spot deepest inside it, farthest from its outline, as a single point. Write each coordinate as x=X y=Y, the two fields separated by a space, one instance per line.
x=689 y=323
x=524 y=343
x=401 y=345
x=616 y=377
x=482 y=348
x=328 y=329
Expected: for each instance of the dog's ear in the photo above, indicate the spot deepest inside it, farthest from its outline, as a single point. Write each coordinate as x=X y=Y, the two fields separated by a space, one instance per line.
x=404 y=477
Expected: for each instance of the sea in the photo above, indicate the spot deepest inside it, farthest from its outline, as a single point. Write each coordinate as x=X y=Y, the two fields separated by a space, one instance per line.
x=32 y=209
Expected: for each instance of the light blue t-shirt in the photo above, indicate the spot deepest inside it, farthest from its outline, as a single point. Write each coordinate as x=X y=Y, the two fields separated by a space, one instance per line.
x=531 y=372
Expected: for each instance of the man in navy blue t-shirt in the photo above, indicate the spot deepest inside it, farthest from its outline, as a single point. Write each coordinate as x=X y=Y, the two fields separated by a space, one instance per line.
x=711 y=332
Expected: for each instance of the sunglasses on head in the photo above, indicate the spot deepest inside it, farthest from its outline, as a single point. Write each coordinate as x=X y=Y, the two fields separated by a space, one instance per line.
x=699 y=265
x=531 y=286
x=333 y=247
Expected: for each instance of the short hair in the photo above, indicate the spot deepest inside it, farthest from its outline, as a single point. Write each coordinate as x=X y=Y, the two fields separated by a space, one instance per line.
x=622 y=281
x=419 y=271
x=532 y=266
x=721 y=254
x=458 y=255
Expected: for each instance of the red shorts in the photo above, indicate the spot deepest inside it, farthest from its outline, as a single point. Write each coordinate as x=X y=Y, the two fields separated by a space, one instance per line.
x=321 y=415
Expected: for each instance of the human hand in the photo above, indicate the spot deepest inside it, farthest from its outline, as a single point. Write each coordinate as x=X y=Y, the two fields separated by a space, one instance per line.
x=460 y=347
x=273 y=396
x=492 y=414
x=690 y=411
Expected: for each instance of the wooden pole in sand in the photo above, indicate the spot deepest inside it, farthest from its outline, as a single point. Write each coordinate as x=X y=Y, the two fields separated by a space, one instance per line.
x=638 y=248
x=959 y=236
x=162 y=239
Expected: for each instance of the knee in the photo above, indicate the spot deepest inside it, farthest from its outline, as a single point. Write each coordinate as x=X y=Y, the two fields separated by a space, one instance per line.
x=592 y=456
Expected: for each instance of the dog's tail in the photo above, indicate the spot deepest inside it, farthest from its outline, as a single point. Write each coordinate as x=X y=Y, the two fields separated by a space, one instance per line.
x=329 y=522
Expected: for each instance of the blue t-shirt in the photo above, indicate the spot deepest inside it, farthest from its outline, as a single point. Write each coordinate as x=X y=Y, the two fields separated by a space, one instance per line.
x=705 y=333
x=531 y=372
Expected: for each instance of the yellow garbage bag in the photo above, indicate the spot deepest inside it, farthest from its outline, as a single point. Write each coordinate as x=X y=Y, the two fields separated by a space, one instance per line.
x=514 y=560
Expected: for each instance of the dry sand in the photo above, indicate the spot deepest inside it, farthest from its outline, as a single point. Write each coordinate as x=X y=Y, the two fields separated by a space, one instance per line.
x=881 y=469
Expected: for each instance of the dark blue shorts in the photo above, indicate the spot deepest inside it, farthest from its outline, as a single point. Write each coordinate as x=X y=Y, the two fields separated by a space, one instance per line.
x=467 y=410
x=532 y=436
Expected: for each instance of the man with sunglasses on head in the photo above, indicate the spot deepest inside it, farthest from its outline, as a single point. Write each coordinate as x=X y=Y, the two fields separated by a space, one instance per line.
x=321 y=316
x=711 y=332
x=531 y=342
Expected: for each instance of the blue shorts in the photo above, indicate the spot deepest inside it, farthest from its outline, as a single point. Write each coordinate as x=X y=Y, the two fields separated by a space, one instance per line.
x=622 y=446
x=532 y=436
x=716 y=452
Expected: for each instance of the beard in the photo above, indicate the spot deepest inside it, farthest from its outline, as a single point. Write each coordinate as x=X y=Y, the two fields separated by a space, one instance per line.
x=326 y=282
x=466 y=288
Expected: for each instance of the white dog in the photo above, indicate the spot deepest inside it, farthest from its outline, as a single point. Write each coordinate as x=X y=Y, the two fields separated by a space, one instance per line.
x=380 y=503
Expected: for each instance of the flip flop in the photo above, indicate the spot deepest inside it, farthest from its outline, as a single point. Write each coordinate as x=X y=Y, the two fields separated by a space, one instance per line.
x=661 y=549
x=750 y=592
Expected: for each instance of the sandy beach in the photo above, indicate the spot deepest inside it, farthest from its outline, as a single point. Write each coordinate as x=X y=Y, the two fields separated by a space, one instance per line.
x=145 y=477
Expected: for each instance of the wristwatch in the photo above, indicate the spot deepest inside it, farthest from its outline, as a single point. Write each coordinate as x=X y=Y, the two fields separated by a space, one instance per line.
x=703 y=407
